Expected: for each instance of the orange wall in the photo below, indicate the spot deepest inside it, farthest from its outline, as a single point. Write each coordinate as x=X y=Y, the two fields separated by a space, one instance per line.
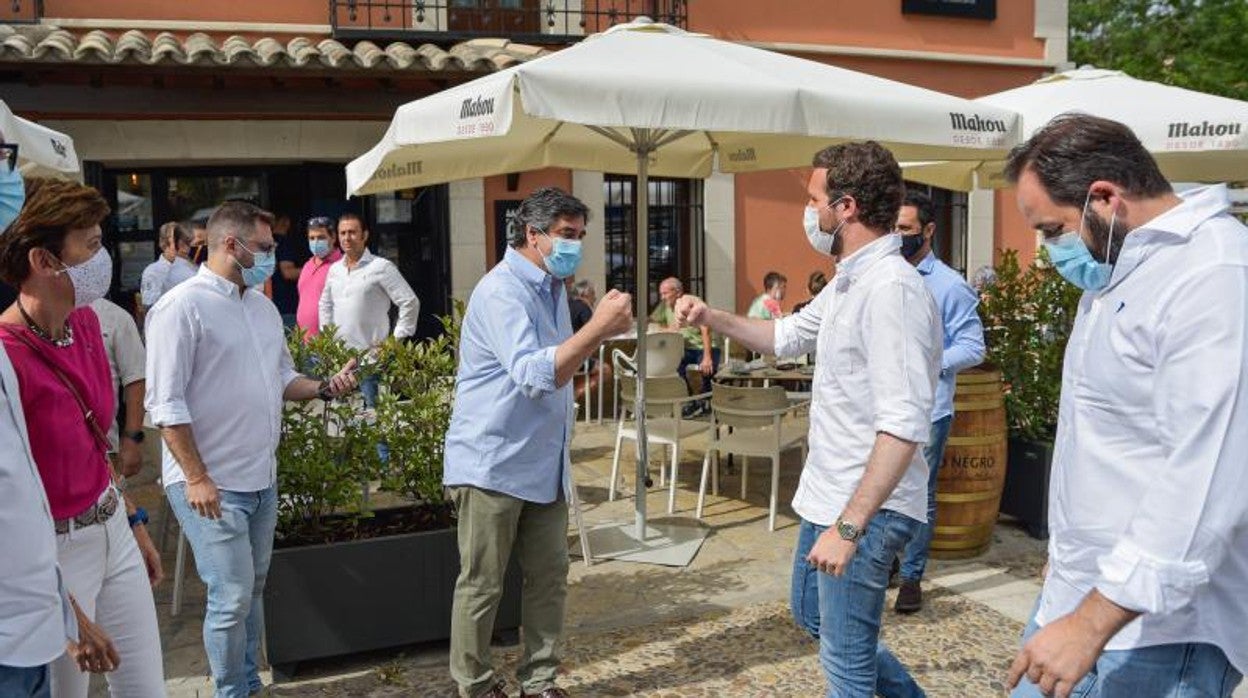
x=1012 y=231
x=496 y=188
x=273 y=11
x=769 y=235
x=873 y=23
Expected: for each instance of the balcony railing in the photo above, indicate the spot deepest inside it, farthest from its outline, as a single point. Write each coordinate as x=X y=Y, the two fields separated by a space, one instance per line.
x=21 y=11
x=526 y=21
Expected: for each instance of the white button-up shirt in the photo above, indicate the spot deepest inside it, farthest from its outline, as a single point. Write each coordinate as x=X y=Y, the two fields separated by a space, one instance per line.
x=878 y=338
x=217 y=360
x=358 y=301
x=161 y=276
x=1149 y=499
x=127 y=359
x=35 y=616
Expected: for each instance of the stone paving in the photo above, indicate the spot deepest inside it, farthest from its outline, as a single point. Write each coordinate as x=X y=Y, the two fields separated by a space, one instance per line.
x=718 y=627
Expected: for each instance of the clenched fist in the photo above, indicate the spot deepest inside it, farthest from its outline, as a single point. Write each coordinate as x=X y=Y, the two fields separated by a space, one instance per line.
x=614 y=314
x=691 y=311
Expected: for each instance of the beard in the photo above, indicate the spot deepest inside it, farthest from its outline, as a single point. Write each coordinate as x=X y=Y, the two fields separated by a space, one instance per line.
x=1106 y=243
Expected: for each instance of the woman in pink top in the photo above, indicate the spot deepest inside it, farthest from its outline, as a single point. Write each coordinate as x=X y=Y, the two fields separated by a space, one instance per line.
x=53 y=253
x=323 y=243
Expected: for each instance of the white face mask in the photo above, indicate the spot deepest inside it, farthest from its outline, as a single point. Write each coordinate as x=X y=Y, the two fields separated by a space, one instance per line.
x=92 y=278
x=824 y=243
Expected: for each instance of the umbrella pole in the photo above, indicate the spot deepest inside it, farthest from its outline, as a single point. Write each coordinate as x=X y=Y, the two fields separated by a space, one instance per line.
x=642 y=147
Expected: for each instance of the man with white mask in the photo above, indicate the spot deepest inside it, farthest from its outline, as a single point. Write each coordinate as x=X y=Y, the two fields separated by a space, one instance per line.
x=218 y=371
x=863 y=490
x=1148 y=559
x=508 y=448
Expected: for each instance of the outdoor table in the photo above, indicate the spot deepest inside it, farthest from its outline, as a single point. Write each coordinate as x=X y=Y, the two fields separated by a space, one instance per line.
x=767 y=375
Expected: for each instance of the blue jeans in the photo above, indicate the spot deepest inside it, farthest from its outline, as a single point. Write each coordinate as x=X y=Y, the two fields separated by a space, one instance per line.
x=693 y=357
x=914 y=559
x=1164 y=671
x=369 y=388
x=844 y=612
x=232 y=556
x=25 y=682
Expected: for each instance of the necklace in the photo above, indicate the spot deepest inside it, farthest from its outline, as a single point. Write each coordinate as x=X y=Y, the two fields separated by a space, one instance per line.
x=43 y=334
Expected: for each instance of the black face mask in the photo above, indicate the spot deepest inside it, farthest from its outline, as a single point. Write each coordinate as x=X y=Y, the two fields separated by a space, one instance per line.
x=910 y=244
x=198 y=252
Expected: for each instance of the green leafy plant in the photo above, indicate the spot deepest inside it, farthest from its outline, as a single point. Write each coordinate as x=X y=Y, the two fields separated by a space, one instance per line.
x=327 y=460
x=1028 y=315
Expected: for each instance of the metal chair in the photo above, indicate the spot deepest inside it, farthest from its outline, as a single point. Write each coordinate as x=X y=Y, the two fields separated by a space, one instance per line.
x=665 y=426
x=756 y=426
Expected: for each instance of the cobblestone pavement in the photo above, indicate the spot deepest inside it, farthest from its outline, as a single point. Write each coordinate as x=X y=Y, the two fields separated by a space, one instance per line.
x=718 y=627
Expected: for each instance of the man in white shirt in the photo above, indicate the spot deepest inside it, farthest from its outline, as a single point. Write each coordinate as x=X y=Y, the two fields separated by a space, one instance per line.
x=357 y=296
x=171 y=268
x=1148 y=555
x=863 y=490
x=127 y=363
x=218 y=370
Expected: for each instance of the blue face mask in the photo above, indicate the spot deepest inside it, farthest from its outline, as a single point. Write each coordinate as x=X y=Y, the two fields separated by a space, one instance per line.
x=12 y=195
x=564 y=258
x=320 y=248
x=1074 y=261
x=262 y=266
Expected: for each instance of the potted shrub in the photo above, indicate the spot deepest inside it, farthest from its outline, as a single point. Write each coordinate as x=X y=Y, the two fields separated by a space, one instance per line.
x=1028 y=315
x=365 y=555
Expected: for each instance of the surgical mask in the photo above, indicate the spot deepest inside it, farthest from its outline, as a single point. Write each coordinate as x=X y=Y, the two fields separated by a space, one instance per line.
x=1074 y=261
x=911 y=244
x=261 y=268
x=823 y=242
x=564 y=257
x=12 y=196
x=320 y=248
x=91 y=279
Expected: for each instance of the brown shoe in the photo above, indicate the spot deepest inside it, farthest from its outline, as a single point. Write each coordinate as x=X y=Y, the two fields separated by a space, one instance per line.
x=498 y=690
x=909 y=597
x=552 y=692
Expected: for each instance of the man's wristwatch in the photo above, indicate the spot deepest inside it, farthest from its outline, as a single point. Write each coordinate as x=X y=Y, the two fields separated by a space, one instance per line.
x=135 y=436
x=323 y=391
x=848 y=531
x=138 y=517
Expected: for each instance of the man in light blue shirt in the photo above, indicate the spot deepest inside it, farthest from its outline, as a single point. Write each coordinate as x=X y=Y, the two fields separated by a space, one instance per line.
x=508 y=446
x=963 y=348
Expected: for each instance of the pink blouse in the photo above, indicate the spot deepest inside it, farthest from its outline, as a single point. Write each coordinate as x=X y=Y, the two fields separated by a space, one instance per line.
x=73 y=466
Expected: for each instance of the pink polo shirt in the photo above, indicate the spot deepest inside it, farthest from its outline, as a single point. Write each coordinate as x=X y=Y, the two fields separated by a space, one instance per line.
x=71 y=463
x=311 y=284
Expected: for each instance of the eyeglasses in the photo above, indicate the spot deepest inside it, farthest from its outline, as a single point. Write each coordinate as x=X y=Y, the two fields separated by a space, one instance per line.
x=321 y=222
x=8 y=151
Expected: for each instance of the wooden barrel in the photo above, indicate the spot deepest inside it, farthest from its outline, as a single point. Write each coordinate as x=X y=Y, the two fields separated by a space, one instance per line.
x=972 y=473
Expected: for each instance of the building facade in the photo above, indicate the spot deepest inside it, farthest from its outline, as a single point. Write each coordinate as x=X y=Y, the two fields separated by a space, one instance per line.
x=176 y=106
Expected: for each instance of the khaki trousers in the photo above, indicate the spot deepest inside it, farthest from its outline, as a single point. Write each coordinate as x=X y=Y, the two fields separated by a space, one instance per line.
x=491 y=525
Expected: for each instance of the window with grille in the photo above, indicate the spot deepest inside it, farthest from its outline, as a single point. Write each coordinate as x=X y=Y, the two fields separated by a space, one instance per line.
x=677 y=237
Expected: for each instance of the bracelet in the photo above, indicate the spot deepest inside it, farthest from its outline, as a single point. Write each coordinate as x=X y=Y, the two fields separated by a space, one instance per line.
x=138 y=517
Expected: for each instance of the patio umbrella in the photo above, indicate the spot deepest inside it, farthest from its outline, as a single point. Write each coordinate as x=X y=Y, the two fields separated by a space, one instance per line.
x=1195 y=137
x=650 y=99
x=38 y=147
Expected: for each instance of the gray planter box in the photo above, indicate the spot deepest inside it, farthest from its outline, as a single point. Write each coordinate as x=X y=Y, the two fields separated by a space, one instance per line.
x=342 y=598
x=1026 y=492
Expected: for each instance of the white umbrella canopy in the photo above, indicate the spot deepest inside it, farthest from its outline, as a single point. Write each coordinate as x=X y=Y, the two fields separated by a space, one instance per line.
x=651 y=99
x=39 y=148
x=723 y=105
x=1195 y=137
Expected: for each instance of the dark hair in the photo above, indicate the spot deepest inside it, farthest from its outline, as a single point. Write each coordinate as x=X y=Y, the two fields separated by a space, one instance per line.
x=923 y=206
x=540 y=210
x=772 y=279
x=1074 y=150
x=323 y=223
x=869 y=173
x=818 y=280
x=53 y=208
x=237 y=218
x=350 y=216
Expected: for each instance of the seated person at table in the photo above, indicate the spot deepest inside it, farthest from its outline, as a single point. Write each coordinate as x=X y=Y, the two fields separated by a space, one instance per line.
x=767 y=306
x=582 y=296
x=698 y=348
